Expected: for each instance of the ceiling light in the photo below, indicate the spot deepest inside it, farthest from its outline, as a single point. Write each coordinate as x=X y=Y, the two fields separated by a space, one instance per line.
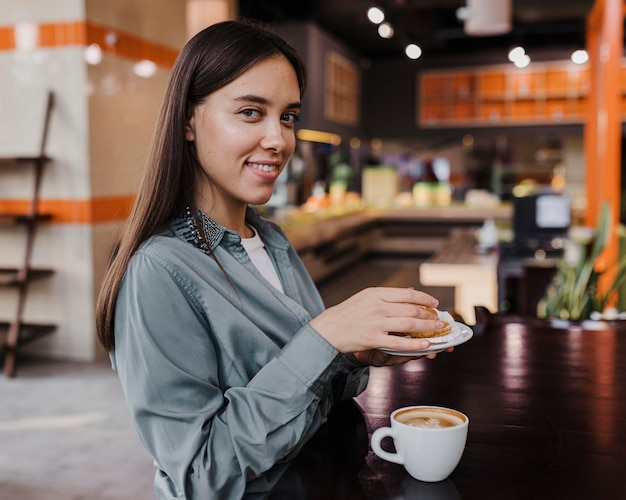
x=516 y=53
x=375 y=15
x=580 y=56
x=145 y=68
x=385 y=30
x=522 y=62
x=486 y=17
x=111 y=39
x=93 y=54
x=413 y=51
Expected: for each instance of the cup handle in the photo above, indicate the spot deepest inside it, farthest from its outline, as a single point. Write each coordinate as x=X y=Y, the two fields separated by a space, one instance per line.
x=377 y=437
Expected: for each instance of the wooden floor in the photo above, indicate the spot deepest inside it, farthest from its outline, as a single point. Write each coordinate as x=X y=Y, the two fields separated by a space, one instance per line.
x=381 y=271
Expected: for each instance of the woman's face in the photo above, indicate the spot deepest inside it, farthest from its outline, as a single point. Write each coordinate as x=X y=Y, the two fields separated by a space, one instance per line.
x=244 y=133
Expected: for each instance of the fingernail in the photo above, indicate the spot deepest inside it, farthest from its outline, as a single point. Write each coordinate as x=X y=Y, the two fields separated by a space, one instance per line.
x=438 y=325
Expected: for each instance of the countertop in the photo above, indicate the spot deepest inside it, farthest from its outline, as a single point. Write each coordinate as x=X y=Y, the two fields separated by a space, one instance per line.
x=311 y=230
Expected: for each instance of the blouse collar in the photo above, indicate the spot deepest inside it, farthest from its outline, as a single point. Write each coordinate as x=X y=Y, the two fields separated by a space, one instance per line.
x=185 y=226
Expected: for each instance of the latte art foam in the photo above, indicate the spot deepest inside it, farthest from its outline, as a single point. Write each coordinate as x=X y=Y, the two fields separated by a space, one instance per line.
x=430 y=418
x=433 y=423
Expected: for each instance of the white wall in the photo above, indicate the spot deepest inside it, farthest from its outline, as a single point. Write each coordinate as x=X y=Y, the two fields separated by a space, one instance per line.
x=99 y=134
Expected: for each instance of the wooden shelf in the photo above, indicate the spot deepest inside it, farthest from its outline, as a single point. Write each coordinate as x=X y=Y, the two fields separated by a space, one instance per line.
x=546 y=93
x=341 y=90
x=14 y=276
x=20 y=219
x=18 y=331
x=490 y=84
x=22 y=160
x=28 y=333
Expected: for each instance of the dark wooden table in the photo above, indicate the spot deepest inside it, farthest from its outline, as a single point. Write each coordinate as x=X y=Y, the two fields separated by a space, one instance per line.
x=547 y=409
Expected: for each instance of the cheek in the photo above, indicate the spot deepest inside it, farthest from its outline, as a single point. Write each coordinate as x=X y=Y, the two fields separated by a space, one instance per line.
x=290 y=141
x=211 y=140
x=222 y=149
x=205 y=152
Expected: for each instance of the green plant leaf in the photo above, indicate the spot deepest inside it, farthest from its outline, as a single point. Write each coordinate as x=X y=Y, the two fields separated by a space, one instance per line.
x=573 y=292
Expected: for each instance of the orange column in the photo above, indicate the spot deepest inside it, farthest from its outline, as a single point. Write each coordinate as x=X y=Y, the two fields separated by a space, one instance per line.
x=602 y=133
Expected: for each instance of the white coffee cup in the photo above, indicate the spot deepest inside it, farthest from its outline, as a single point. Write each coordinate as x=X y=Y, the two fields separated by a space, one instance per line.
x=429 y=440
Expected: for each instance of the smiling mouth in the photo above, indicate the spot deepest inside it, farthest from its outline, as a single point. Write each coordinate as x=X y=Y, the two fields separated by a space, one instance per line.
x=263 y=168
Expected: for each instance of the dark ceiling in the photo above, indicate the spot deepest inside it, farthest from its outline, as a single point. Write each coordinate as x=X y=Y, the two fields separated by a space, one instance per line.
x=432 y=24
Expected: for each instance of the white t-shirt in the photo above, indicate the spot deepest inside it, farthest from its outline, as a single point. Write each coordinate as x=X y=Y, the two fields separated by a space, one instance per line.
x=259 y=257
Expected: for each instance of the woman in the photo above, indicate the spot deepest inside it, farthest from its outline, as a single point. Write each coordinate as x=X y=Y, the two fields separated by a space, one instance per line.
x=228 y=360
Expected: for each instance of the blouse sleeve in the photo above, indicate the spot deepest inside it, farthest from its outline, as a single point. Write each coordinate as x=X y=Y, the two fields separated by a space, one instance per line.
x=209 y=443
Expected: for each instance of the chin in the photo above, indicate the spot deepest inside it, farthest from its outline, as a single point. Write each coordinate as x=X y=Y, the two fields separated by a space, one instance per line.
x=259 y=201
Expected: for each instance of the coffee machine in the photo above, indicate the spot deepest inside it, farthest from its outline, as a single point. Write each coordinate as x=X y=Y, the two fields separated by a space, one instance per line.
x=527 y=264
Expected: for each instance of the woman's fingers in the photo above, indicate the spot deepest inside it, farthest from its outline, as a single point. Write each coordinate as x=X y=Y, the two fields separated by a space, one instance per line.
x=378 y=358
x=403 y=343
x=407 y=325
x=405 y=295
x=365 y=320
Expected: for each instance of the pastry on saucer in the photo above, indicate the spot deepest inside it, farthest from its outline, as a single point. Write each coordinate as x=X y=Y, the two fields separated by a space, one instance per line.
x=444 y=317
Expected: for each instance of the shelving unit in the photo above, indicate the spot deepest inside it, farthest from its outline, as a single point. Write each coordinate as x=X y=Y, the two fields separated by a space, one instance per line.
x=543 y=93
x=341 y=90
x=16 y=332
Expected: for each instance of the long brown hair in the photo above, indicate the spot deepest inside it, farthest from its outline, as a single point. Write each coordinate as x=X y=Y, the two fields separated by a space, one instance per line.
x=210 y=60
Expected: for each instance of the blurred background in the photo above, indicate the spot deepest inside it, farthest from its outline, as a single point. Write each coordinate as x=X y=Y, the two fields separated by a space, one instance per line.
x=456 y=120
x=462 y=146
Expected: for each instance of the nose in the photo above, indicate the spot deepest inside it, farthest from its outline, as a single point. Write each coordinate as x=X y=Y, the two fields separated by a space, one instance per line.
x=275 y=135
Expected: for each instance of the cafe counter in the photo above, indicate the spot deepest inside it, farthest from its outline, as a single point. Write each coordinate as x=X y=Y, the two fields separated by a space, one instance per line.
x=330 y=241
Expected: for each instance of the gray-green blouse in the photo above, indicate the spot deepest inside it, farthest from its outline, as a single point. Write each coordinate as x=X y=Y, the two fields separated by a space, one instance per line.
x=223 y=375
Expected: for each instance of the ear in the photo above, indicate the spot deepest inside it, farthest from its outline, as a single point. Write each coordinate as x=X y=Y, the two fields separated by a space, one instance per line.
x=190 y=130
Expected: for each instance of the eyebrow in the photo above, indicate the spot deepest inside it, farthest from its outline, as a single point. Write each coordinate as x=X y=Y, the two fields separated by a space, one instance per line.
x=262 y=100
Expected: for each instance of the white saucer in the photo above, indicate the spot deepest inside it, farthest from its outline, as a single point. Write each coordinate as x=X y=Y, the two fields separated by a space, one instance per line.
x=464 y=333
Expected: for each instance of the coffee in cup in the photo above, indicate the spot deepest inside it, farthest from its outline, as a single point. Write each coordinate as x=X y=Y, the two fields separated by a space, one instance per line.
x=429 y=440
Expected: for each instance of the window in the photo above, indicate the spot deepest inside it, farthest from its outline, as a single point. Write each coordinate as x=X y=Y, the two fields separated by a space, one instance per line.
x=341 y=103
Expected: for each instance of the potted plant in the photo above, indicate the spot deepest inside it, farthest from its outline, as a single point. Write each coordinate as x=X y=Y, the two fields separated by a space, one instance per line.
x=574 y=293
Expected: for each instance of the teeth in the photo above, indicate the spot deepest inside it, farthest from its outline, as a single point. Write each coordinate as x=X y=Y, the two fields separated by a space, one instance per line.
x=264 y=168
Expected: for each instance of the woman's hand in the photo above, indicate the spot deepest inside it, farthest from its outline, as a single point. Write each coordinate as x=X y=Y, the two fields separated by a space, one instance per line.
x=363 y=322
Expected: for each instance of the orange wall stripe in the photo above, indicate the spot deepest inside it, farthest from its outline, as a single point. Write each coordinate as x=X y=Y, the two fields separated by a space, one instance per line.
x=62 y=34
x=49 y=35
x=95 y=211
x=75 y=33
x=130 y=46
x=111 y=209
x=7 y=40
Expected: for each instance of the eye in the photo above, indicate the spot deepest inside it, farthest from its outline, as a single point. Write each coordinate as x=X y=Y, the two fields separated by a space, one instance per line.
x=291 y=118
x=250 y=113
